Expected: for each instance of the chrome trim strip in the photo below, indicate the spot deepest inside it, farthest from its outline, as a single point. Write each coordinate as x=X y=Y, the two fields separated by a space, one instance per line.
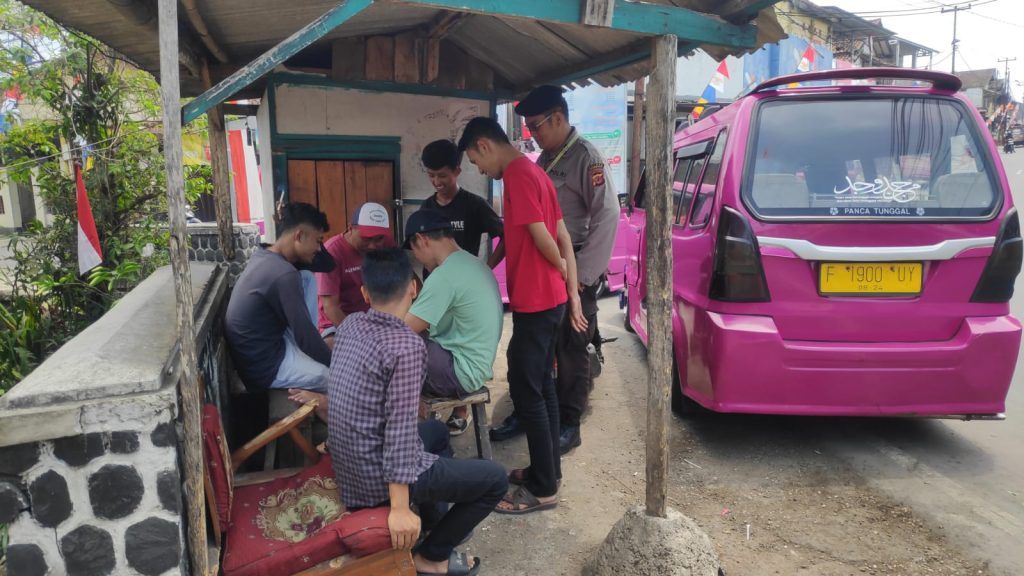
x=944 y=250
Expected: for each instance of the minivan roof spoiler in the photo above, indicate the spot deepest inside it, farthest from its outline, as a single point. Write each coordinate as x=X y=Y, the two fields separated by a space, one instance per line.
x=938 y=80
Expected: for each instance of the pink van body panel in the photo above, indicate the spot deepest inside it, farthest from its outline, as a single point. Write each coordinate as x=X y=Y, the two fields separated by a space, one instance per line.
x=933 y=354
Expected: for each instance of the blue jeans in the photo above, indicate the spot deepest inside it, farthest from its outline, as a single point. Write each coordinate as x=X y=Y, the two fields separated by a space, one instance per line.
x=473 y=487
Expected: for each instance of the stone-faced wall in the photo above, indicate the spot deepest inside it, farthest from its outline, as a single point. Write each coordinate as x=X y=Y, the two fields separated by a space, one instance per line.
x=90 y=473
x=206 y=246
x=97 y=503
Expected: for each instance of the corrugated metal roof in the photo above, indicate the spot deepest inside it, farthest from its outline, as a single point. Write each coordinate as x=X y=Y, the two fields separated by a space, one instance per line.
x=522 y=52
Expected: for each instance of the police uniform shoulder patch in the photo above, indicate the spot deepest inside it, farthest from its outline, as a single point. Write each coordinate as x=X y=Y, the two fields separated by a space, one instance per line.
x=597 y=174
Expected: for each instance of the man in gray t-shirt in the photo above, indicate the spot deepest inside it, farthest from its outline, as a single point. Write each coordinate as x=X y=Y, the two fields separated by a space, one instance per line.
x=272 y=337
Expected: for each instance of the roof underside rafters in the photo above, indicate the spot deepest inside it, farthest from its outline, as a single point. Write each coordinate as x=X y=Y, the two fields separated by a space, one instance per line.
x=522 y=42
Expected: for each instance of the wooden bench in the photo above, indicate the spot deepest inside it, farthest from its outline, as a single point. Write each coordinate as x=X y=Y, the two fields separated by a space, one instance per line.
x=431 y=405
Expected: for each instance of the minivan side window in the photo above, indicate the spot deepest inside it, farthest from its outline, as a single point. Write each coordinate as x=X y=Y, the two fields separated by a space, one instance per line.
x=690 y=187
x=705 y=198
x=678 y=185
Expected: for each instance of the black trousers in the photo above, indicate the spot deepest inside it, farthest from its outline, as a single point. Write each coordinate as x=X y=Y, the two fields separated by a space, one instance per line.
x=574 y=362
x=472 y=487
x=531 y=355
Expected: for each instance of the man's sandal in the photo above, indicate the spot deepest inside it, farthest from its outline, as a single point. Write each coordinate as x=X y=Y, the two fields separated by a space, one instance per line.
x=458 y=565
x=523 y=497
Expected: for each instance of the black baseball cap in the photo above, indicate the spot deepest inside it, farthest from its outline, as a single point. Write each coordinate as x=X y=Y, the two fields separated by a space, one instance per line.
x=424 y=220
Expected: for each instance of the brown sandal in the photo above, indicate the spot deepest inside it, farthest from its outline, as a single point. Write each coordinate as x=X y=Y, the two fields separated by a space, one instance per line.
x=523 y=497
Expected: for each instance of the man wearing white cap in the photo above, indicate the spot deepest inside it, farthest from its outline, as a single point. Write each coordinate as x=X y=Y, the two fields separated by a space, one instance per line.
x=340 y=289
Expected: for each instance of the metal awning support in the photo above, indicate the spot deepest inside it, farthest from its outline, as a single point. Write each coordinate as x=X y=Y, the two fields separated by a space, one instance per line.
x=268 y=60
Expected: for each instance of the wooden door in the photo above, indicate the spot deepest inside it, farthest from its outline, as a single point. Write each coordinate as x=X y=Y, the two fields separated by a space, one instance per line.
x=339 y=187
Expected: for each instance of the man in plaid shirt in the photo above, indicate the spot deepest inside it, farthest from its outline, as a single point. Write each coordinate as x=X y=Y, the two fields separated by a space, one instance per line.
x=379 y=452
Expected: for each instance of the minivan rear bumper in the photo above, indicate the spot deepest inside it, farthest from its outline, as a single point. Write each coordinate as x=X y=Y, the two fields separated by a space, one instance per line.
x=753 y=370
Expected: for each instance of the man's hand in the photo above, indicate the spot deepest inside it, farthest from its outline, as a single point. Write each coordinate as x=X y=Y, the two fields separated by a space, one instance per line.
x=404 y=526
x=576 y=318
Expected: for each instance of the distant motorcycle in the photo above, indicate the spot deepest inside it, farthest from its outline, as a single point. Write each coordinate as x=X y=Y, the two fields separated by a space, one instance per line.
x=1008 y=145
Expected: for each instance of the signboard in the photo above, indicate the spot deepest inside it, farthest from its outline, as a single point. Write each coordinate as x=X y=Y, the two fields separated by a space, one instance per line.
x=599 y=115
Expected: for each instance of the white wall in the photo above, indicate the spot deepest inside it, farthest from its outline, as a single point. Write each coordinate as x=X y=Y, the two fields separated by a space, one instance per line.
x=416 y=119
x=267 y=171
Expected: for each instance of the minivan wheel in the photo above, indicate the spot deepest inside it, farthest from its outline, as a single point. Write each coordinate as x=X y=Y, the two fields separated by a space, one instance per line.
x=625 y=313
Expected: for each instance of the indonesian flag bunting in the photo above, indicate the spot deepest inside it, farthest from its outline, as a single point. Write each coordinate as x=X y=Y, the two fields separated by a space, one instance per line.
x=807 y=60
x=719 y=77
x=89 y=253
x=708 y=96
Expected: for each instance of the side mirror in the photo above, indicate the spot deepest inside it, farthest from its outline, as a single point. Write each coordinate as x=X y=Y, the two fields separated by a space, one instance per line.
x=623 y=200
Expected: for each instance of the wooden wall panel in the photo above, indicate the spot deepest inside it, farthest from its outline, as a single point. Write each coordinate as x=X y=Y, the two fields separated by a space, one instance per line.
x=380 y=58
x=302 y=181
x=408 y=58
x=355 y=187
x=330 y=185
x=380 y=186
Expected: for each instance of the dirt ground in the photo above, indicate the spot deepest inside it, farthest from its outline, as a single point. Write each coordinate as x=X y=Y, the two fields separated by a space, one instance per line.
x=772 y=498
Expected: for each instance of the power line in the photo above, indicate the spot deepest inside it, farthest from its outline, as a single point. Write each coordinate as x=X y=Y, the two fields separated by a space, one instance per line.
x=922 y=11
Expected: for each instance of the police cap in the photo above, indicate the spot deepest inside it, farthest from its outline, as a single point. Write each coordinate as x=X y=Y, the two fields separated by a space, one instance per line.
x=540 y=100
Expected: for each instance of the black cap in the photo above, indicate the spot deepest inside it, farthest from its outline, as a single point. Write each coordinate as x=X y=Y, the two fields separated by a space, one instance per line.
x=540 y=100
x=424 y=220
x=322 y=262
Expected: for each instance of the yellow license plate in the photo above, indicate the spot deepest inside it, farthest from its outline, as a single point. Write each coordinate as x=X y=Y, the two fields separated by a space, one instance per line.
x=882 y=278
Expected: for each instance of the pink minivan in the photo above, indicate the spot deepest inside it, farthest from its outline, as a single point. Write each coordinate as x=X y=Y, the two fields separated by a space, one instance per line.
x=844 y=243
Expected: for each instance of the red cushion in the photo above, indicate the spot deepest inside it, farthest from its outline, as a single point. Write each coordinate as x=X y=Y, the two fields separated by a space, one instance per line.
x=218 y=462
x=291 y=524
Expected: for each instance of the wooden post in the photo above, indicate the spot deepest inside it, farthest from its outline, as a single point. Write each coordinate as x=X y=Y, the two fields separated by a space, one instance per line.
x=191 y=394
x=636 y=136
x=658 y=201
x=220 y=164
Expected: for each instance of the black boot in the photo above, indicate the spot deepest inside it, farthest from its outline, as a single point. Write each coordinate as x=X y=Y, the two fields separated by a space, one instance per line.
x=509 y=428
x=569 y=439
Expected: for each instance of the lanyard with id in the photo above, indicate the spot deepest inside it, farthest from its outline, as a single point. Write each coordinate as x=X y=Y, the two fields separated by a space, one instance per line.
x=558 y=158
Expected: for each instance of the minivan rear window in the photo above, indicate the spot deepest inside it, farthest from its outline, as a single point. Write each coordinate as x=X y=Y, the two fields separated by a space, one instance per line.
x=873 y=157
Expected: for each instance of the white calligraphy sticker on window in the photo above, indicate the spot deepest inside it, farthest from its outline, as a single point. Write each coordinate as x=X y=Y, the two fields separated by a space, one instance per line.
x=880 y=190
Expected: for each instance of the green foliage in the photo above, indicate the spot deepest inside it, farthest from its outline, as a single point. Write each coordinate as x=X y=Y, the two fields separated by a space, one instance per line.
x=87 y=101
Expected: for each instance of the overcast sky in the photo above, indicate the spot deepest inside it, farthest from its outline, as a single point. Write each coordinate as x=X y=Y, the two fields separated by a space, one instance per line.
x=990 y=30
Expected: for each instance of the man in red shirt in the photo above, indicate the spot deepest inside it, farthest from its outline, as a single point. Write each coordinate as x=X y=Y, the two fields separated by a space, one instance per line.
x=542 y=283
x=340 y=289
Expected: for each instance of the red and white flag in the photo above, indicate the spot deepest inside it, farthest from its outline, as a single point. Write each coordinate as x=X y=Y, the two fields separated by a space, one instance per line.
x=89 y=253
x=807 y=60
x=719 y=77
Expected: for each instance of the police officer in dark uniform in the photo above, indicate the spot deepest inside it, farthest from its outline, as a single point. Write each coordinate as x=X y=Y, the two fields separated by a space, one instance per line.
x=590 y=209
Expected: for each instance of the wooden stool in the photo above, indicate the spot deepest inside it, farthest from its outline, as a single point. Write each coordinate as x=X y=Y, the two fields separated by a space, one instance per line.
x=432 y=405
x=287 y=453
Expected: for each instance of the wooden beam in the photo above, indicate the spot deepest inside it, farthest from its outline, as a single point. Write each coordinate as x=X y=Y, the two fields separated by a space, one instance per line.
x=220 y=166
x=192 y=10
x=445 y=24
x=738 y=11
x=598 y=12
x=268 y=60
x=628 y=16
x=190 y=385
x=661 y=111
x=143 y=14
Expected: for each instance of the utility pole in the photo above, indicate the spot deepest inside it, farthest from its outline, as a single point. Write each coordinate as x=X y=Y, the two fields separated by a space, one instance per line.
x=955 y=42
x=1005 y=124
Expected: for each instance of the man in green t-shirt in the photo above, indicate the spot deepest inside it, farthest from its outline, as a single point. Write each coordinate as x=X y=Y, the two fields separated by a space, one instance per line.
x=459 y=308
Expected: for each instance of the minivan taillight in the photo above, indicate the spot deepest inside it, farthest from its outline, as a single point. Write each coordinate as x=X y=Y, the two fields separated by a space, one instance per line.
x=737 y=275
x=996 y=284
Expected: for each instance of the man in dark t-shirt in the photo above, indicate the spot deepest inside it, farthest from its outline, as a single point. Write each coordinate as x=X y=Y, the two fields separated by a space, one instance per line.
x=470 y=215
x=271 y=335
